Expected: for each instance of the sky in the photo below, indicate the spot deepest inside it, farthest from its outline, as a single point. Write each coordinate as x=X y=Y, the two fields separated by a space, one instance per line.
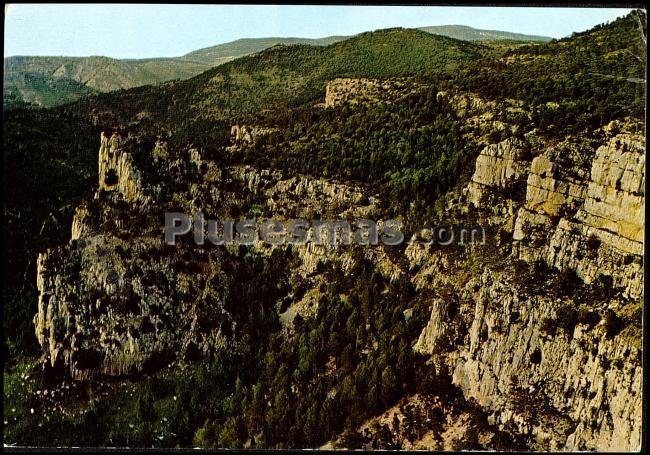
x=141 y=31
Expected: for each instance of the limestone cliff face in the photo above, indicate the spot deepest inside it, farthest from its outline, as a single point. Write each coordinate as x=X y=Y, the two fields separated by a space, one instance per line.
x=117 y=171
x=591 y=221
x=578 y=209
x=500 y=171
x=80 y=222
x=582 y=210
x=116 y=300
x=540 y=326
x=247 y=134
x=107 y=307
x=569 y=391
x=363 y=90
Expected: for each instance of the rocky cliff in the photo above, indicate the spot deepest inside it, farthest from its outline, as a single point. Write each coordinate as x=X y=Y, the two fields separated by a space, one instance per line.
x=539 y=327
x=593 y=214
x=363 y=90
x=116 y=300
x=563 y=365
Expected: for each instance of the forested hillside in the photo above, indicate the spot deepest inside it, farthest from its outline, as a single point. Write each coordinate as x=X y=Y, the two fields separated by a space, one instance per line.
x=52 y=81
x=196 y=111
x=587 y=78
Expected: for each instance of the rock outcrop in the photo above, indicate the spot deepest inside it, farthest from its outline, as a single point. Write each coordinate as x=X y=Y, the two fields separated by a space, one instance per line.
x=117 y=300
x=499 y=165
x=591 y=218
x=363 y=90
x=582 y=209
x=117 y=171
x=246 y=134
x=560 y=366
x=113 y=307
x=540 y=326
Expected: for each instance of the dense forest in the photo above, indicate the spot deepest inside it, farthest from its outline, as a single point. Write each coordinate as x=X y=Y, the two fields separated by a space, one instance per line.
x=593 y=76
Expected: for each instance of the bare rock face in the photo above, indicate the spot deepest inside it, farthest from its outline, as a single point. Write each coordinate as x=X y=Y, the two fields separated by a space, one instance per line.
x=116 y=300
x=590 y=221
x=575 y=390
x=583 y=208
x=363 y=90
x=563 y=368
x=435 y=330
x=247 y=134
x=553 y=366
x=117 y=171
x=113 y=307
x=615 y=195
x=503 y=165
x=80 y=222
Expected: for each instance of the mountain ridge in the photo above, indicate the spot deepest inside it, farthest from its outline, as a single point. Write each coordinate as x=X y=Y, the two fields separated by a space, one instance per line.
x=467 y=33
x=62 y=79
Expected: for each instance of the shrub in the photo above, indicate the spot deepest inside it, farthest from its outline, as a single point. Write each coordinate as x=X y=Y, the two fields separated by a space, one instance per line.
x=566 y=319
x=592 y=243
x=613 y=324
x=567 y=282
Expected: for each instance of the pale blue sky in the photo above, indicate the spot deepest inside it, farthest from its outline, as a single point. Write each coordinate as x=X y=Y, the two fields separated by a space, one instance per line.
x=137 y=31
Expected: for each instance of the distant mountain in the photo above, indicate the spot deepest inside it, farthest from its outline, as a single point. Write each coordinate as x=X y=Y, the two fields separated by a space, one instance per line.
x=51 y=81
x=465 y=33
x=247 y=46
